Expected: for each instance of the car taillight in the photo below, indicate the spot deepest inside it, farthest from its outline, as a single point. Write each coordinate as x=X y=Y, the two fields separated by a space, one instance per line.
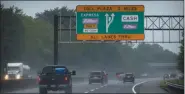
x=65 y=78
x=38 y=79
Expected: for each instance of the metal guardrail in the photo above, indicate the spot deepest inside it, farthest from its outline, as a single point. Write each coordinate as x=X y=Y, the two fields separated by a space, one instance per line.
x=176 y=86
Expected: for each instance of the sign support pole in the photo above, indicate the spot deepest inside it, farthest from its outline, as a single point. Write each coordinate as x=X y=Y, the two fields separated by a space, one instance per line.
x=55 y=40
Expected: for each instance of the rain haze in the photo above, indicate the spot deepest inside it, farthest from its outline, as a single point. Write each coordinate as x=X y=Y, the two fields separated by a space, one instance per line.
x=30 y=8
x=147 y=61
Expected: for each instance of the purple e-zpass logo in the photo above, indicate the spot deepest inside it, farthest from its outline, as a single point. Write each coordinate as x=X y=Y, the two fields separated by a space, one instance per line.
x=130 y=26
x=90 y=21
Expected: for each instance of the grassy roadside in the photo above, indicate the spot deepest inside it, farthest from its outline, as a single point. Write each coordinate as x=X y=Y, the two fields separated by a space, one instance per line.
x=162 y=84
x=177 y=81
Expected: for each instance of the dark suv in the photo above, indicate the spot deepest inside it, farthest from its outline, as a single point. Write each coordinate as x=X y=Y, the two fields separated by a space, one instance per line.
x=97 y=77
x=55 y=78
x=129 y=77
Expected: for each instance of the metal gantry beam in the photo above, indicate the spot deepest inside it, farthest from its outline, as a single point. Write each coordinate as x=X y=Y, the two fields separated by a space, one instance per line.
x=161 y=22
x=164 y=22
x=153 y=23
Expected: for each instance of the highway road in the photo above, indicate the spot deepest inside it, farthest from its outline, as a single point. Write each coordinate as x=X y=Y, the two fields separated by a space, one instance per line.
x=113 y=86
x=150 y=87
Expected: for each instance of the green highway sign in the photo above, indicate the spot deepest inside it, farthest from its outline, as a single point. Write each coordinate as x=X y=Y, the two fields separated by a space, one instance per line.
x=110 y=22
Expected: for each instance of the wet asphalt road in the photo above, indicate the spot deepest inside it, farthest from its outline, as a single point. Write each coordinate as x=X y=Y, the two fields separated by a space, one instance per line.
x=113 y=86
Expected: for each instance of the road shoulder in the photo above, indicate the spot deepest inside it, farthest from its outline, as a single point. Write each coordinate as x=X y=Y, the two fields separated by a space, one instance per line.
x=150 y=87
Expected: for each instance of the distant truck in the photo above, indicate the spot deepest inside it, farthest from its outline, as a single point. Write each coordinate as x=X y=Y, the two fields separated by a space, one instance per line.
x=16 y=71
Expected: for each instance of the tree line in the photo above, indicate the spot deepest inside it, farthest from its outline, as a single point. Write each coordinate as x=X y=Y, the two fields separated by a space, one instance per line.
x=30 y=40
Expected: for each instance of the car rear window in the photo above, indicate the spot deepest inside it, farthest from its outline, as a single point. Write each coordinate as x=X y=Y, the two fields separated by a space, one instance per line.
x=95 y=73
x=54 y=70
x=60 y=70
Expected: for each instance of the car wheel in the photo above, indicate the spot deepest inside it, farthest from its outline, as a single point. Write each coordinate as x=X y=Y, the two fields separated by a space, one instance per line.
x=43 y=91
x=68 y=90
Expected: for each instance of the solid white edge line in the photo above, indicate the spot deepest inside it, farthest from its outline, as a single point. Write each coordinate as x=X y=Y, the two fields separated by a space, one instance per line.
x=133 y=88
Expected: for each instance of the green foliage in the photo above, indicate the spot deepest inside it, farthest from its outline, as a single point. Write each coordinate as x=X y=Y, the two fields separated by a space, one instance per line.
x=181 y=55
x=38 y=41
x=12 y=34
x=48 y=15
x=26 y=39
x=163 y=84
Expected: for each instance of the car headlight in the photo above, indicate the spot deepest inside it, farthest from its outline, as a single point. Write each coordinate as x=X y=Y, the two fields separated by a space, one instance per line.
x=6 y=77
x=18 y=76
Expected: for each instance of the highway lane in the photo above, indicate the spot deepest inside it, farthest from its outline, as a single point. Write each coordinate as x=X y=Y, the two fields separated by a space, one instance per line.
x=117 y=87
x=151 y=87
x=80 y=87
x=114 y=86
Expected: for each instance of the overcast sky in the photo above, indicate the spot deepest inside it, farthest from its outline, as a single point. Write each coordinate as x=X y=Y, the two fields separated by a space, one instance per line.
x=151 y=8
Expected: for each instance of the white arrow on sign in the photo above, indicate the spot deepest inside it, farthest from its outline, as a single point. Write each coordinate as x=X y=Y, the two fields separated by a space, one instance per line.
x=109 y=20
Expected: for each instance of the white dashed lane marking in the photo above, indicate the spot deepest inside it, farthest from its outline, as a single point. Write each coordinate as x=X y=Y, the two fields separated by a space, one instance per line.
x=95 y=89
